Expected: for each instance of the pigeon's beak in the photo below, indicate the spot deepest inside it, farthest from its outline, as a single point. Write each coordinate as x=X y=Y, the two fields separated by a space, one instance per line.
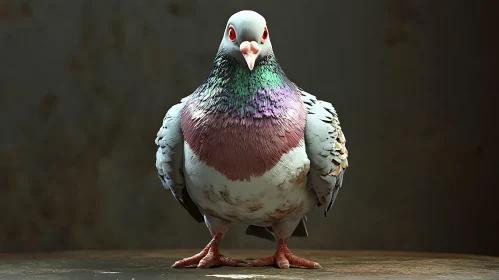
x=250 y=51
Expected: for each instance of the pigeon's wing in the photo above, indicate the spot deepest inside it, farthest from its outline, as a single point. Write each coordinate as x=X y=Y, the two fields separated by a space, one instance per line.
x=170 y=159
x=326 y=149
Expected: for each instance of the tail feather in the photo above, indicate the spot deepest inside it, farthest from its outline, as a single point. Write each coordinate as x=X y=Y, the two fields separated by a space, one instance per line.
x=268 y=234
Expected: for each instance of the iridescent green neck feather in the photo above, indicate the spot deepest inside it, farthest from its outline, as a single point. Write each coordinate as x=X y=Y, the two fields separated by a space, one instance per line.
x=233 y=88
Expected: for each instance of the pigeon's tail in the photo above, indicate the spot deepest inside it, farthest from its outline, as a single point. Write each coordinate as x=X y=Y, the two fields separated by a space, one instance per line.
x=261 y=232
x=268 y=234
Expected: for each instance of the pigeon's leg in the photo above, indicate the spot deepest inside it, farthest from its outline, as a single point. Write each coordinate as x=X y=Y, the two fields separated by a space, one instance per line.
x=283 y=257
x=210 y=256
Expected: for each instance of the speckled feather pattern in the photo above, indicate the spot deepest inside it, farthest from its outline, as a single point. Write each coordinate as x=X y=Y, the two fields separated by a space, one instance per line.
x=326 y=149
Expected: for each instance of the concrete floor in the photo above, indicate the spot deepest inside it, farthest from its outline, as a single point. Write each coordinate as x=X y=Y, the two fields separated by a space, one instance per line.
x=138 y=265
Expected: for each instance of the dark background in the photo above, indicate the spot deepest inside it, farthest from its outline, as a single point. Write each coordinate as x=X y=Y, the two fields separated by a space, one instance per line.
x=84 y=86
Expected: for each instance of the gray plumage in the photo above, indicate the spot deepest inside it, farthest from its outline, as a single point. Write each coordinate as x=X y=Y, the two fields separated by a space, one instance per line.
x=170 y=159
x=326 y=149
x=325 y=145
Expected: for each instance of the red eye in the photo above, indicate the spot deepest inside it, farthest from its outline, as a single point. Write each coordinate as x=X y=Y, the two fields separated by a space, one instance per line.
x=265 y=34
x=231 y=33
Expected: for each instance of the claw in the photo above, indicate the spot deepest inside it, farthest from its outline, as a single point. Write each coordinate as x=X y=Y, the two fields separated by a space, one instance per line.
x=209 y=257
x=283 y=258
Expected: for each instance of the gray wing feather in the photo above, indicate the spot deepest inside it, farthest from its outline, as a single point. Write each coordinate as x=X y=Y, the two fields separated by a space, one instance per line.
x=326 y=149
x=170 y=159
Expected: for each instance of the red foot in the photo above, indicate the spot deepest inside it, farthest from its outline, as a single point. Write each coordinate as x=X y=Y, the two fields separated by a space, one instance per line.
x=284 y=258
x=208 y=257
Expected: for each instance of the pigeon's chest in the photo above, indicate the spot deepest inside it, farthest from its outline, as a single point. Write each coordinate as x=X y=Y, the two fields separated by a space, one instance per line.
x=241 y=148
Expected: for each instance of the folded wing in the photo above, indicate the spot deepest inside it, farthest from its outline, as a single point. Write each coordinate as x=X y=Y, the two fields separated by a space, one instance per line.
x=326 y=149
x=170 y=159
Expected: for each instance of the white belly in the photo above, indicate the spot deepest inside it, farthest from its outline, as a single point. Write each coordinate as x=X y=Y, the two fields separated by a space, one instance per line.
x=278 y=194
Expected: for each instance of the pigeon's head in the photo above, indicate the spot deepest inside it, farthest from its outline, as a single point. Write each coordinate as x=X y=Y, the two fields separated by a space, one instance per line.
x=246 y=38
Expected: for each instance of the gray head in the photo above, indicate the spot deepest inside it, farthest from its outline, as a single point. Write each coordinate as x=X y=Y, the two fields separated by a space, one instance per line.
x=246 y=38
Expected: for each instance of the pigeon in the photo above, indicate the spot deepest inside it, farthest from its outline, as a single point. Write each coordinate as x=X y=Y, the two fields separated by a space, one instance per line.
x=249 y=146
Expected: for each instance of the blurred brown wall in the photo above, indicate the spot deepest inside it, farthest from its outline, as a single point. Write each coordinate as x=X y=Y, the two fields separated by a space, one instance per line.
x=85 y=84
